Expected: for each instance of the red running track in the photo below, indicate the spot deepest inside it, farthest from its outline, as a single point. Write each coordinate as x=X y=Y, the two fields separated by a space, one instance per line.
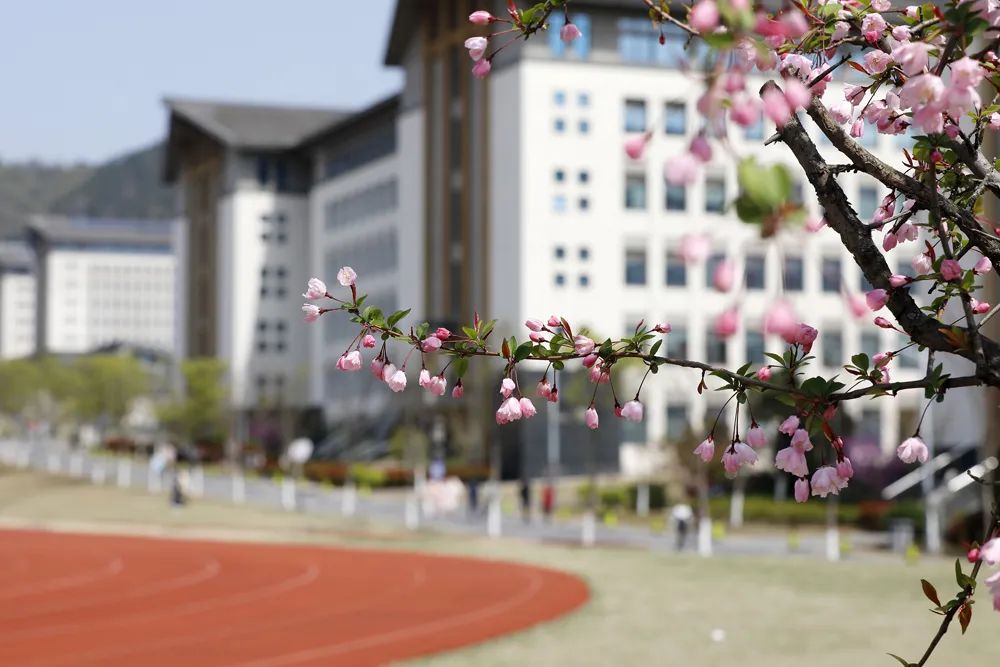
x=69 y=599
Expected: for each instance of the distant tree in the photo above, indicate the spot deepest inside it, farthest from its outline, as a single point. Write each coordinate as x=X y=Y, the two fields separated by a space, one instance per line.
x=102 y=387
x=199 y=415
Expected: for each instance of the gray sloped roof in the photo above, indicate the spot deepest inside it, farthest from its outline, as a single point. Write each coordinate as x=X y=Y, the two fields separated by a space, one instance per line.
x=100 y=231
x=15 y=256
x=254 y=125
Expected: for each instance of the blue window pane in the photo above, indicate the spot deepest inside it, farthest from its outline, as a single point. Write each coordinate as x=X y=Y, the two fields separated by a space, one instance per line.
x=560 y=279
x=556 y=45
x=582 y=43
x=559 y=203
x=584 y=127
x=635 y=267
x=559 y=98
x=583 y=100
x=675 y=118
x=867 y=202
x=635 y=116
x=635 y=191
x=559 y=125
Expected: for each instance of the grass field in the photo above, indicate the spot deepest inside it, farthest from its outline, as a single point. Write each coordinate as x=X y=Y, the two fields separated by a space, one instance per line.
x=646 y=608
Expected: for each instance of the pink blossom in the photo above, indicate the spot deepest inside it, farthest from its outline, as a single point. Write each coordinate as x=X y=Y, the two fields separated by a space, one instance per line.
x=737 y=455
x=728 y=322
x=424 y=379
x=882 y=359
x=442 y=334
x=377 y=367
x=482 y=68
x=794 y=24
x=704 y=16
x=507 y=387
x=591 y=418
x=599 y=374
x=796 y=94
x=912 y=11
x=756 y=437
x=854 y=94
x=632 y=411
x=543 y=388
x=315 y=289
x=368 y=341
x=877 y=61
x=724 y=276
x=841 y=111
x=537 y=337
x=924 y=93
x=876 y=299
x=554 y=321
x=477 y=47
x=856 y=304
x=694 y=248
x=901 y=33
x=792 y=461
x=776 y=107
x=983 y=265
x=789 y=426
x=815 y=223
x=734 y=82
x=994 y=121
x=978 y=307
x=397 y=381
x=845 y=470
x=826 y=481
x=481 y=17
x=438 y=385
x=350 y=362
x=883 y=323
x=993 y=583
x=763 y=373
x=682 y=170
x=990 y=552
x=509 y=411
x=636 y=146
x=590 y=360
x=800 y=440
x=840 y=30
x=922 y=264
x=745 y=111
x=951 y=269
x=527 y=408
x=706 y=450
x=912 y=450
x=700 y=148
x=857 y=128
x=582 y=345
x=872 y=27
x=898 y=280
x=311 y=312
x=966 y=73
x=430 y=344
x=569 y=32
x=663 y=328
x=780 y=318
x=881 y=5
x=534 y=325
x=458 y=391
x=803 y=335
x=801 y=490
x=347 y=276
x=911 y=57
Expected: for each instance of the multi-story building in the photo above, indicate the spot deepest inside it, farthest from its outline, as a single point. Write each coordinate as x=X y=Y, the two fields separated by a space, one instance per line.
x=17 y=300
x=513 y=197
x=100 y=281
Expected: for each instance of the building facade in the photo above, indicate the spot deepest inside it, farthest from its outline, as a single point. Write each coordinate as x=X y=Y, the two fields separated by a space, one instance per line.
x=17 y=300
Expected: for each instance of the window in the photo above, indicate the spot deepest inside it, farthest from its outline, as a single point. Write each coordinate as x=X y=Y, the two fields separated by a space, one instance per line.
x=584 y=126
x=635 y=191
x=560 y=280
x=675 y=197
x=635 y=116
x=832 y=346
x=830 y=274
x=676 y=342
x=559 y=252
x=559 y=175
x=910 y=357
x=263 y=170
x=675 y=118
x=584 y=254
x=867 y=202
x=870 y=344
x=559 y=98
x=677 y=422
x=869 y=427
x=711 y=264
x=559 y=125
x=584 y=176
x=755 y=271
x=755 y=132
x=638 y=44
x=715 y=348
x=676 y=271
x=715 y=194
x=583 y=100
x=755 y=347
x=584 y=280
x=584 y=203
x=559 y=203
x=870 y=136
x=792 y=273
x=635 y=267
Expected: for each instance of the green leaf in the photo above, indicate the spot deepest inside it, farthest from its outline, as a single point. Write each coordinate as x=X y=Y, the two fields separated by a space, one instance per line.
x=397 y=316
x=461 y=366
x=558 y=365
x=656 y=346
x=523 y=351
x=861 y=361
x=904 y=663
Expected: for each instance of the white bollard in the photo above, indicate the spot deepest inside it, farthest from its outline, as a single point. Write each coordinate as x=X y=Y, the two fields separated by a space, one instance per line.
x=705 y=538
x=76 y=465
x=54 y=462
x=153 y=482
x=588 y=529
x=411 y=512
x=642 y=500
x=832 y=531
x=348 y=499
x=239 y=485
x=197 y=482
x=288 y=500
x=494 y=516
x=97 y=473
x=124 y=473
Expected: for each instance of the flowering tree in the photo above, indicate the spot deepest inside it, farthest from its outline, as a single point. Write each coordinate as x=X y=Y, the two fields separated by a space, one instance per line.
x=928 y=70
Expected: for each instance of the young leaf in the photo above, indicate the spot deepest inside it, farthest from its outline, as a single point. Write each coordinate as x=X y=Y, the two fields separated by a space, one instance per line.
x=904 y=663
x=965 y=617
x=930 y=592
x=397 y=316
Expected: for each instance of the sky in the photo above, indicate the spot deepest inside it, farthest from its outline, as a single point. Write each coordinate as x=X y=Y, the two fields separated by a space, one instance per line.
x=85 y=80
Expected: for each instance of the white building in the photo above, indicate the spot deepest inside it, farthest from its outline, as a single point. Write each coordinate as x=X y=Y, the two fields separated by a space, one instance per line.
x=100 y=282
x=17 y=300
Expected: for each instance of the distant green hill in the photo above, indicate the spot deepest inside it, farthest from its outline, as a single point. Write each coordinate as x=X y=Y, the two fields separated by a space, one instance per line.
x=125 y=187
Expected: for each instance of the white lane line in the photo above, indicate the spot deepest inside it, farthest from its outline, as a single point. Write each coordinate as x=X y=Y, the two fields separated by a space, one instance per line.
x=392 y=636
x=112 y=568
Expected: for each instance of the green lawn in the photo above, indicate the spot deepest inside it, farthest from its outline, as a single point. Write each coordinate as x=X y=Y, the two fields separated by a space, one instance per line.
x=646 y=608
